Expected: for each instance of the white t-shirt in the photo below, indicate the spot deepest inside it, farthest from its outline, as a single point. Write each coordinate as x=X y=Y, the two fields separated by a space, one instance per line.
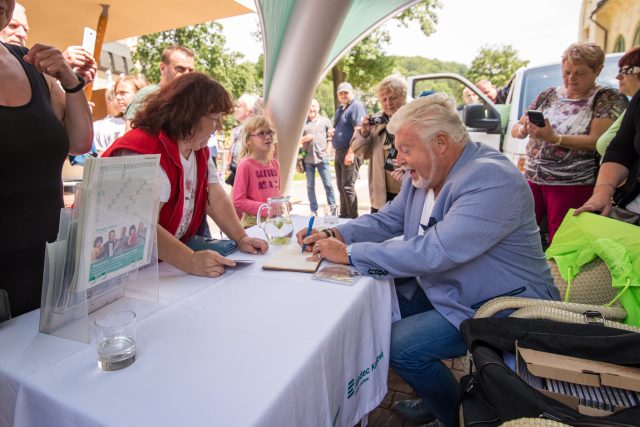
x=429 y=202
x=106 y=131
x=190 y=168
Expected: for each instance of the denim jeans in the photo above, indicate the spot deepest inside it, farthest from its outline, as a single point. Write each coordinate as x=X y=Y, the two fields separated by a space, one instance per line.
x=325 y=175
x=346 y=181
x=418 y=343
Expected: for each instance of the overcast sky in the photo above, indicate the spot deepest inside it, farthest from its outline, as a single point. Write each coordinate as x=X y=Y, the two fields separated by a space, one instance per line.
x=539 y=30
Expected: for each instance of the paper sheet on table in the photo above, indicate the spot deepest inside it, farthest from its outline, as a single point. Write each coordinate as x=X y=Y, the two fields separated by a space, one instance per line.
x=290 y=258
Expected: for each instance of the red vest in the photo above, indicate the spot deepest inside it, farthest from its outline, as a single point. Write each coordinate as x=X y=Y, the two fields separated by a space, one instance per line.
x=141 y=142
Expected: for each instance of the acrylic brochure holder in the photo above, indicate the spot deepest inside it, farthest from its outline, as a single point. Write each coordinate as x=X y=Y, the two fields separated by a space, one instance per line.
x=106 y=255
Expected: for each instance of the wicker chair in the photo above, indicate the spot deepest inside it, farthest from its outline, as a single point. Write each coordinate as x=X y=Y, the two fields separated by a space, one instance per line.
x=533 y=422
x=589 y=292
x=586 y=301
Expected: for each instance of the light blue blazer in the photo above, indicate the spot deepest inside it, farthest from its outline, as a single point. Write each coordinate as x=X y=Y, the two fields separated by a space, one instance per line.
x=482 y=241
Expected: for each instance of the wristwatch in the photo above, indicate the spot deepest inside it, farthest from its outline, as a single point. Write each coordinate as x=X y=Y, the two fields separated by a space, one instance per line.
x=348 y=249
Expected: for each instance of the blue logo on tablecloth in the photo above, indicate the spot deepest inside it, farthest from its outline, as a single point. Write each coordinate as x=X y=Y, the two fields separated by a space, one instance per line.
x=353 y=386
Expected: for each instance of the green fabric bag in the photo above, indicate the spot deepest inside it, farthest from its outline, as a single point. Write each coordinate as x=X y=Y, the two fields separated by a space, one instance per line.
x=580 y=239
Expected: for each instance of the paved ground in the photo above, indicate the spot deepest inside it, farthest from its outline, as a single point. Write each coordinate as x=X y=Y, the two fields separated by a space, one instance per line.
x=299 y=195
x=383 y=416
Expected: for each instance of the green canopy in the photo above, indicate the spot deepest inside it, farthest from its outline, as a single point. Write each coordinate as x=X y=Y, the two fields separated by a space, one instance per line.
x=302 y=40
x=580 y=239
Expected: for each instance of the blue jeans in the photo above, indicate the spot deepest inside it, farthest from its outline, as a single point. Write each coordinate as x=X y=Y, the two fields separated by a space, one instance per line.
x=325 y=175
x=418 y=343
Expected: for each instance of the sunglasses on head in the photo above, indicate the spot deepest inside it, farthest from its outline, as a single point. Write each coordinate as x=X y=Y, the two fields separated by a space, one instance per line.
x=628 y=70
x=263 y=134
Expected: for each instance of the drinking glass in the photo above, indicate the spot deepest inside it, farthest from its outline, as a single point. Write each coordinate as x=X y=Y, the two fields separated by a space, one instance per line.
x=116 y=333
x=331 y=213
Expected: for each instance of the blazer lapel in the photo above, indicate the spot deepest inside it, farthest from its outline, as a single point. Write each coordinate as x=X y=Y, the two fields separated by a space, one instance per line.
x=417 y=204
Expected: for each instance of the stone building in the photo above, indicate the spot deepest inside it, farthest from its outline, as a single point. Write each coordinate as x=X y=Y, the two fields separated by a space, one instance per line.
x=613 y=24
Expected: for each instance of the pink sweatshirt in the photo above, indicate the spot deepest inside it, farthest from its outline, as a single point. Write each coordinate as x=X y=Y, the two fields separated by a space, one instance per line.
x=255 y=182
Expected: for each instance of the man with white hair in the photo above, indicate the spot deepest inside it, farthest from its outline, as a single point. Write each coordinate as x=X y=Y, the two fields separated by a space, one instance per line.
x=470 y=235
x=78 y=58
x=16 y=31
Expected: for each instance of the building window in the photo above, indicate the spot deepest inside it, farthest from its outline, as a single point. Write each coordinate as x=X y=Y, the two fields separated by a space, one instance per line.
x=619 y=46
x=636 y=38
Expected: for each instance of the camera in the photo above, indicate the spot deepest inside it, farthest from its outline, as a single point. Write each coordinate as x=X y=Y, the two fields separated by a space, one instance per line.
x=389 y=161
x=378 y=120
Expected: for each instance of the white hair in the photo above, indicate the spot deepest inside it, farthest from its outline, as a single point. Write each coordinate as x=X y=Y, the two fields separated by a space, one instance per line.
x=249 y=100
x=394 y=84
x=429 y=115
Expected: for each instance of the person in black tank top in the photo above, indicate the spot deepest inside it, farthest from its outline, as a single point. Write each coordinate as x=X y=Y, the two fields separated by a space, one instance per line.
x=34 y=143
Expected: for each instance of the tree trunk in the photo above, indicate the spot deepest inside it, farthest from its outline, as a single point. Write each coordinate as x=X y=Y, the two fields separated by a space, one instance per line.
x=337 y=75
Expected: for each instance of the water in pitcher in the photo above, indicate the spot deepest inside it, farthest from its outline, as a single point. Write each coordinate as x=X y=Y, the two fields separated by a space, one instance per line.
x=279 y=230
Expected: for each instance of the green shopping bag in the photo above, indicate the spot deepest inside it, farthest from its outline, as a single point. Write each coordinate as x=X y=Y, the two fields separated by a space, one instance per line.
x=580 y=239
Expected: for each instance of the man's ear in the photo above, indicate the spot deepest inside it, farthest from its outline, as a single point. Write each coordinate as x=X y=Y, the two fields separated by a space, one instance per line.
x=442 y=142
x=163 y=67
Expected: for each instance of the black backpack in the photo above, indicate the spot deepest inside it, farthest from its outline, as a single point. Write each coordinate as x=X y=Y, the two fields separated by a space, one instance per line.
x=494 y=394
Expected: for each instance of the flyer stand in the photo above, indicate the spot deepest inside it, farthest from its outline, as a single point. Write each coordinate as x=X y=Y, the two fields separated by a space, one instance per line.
x=106 y=255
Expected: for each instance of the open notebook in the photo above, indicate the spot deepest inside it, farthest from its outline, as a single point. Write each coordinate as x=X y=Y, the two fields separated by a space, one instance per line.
x=290 y=258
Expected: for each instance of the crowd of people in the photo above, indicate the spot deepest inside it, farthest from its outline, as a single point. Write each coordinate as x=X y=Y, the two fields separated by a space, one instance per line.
x=467 y=215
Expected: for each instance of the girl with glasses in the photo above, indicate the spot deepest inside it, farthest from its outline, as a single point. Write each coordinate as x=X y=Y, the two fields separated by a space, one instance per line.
x=258 y=172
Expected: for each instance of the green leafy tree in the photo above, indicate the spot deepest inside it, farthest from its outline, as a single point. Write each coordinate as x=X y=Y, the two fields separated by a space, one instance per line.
x=415 y=65
x=207 y=41
x=366 y=64
x=496 y=64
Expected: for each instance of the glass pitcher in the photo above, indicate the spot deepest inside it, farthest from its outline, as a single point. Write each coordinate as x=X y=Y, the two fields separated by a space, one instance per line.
x=277 y=224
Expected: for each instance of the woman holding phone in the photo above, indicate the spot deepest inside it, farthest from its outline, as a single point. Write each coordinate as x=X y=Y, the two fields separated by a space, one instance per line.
x=44 y=116
x=560 y=160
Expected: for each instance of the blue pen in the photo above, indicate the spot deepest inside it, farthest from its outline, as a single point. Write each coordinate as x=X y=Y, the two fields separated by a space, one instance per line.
x=304 y=245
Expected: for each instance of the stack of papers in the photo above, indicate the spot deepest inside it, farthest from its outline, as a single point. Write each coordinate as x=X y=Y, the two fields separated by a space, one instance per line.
x=109 y=233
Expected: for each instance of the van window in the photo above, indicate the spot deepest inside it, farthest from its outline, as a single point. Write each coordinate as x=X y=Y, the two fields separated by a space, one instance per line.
x=535 y=80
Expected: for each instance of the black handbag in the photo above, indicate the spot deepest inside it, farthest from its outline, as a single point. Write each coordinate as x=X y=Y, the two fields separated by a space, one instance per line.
x=624 y=215
x=493 y=394
x=231 y=177
x=626 y=193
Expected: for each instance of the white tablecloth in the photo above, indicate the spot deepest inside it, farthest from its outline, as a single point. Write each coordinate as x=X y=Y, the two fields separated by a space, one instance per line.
x=253 y=348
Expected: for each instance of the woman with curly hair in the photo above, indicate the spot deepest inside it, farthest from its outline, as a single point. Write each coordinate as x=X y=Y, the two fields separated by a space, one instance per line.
x=176 y=122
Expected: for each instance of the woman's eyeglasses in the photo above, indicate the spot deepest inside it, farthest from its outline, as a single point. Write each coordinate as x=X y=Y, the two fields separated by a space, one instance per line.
x=628 y=70
x=263 y=134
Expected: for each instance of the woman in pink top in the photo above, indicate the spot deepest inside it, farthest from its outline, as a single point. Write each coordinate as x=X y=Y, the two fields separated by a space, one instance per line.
x=258 y=173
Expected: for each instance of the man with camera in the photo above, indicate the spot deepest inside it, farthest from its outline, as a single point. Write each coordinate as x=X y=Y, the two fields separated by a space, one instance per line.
x=346 y=120
x=469 y=235
x=373 y=142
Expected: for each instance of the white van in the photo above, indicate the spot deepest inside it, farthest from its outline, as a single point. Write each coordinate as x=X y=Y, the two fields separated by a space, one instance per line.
x=491 y=123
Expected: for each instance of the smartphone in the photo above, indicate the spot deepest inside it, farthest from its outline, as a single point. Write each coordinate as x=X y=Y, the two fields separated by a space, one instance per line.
x=89 y=40
x=536 y=117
